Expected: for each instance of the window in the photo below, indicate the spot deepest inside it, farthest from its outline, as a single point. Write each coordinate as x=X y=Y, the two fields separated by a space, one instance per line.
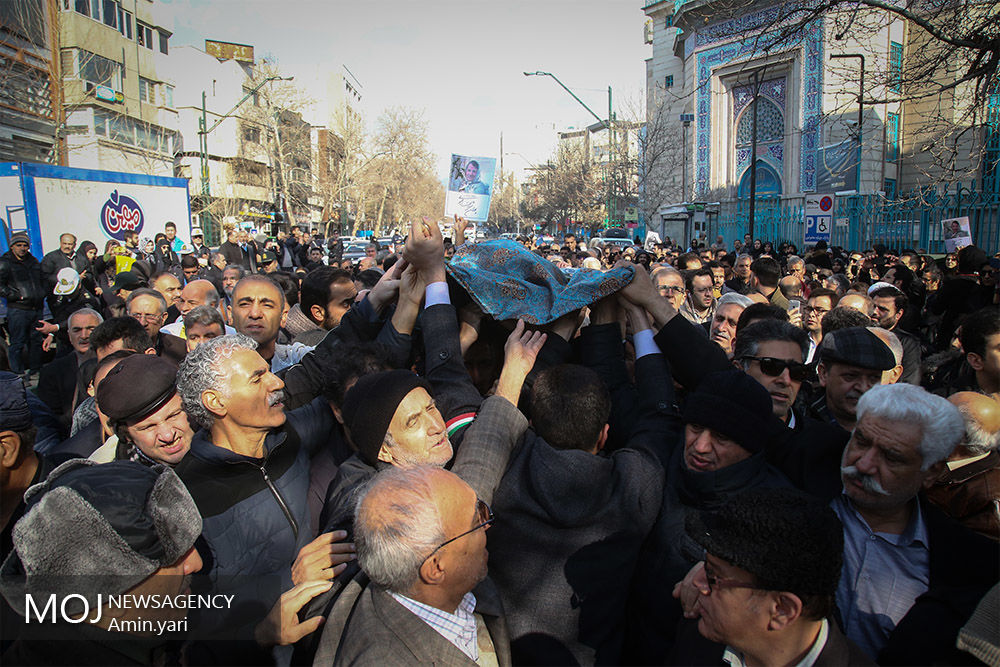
x=895 y=67
x=98 y=70
x=125 y=23
x=147 y=90
x=251 y=134
x=134 y=132
x=163 y=41
x=669 y=81
x=892 y=137
x=669 y=21
x=144 y=35
x=168 y=95
x=111 y=13
x=890 y=188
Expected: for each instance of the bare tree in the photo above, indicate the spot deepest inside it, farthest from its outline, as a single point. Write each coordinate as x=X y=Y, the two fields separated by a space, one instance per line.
x=403 y=182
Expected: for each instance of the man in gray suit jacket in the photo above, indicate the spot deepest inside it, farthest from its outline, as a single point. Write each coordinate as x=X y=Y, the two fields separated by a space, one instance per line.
x=421 y=539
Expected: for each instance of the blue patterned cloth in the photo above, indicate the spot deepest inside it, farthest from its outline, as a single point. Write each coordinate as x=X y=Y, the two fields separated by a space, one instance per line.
x=508 y=281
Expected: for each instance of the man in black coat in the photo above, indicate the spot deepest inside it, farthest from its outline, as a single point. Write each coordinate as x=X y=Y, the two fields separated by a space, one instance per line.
x=21 y=285
x=57 y=381
x=60 y=258
x=728 y=421
x=580 y=512
x=231 y=250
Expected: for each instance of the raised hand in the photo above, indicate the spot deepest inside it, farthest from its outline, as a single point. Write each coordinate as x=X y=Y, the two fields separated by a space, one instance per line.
x=425 y=250
x=386 y=289
x=520 y=352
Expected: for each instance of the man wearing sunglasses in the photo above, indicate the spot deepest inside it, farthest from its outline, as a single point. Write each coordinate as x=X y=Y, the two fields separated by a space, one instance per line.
x=772 y=352
x=421 y=541
x=765 y=591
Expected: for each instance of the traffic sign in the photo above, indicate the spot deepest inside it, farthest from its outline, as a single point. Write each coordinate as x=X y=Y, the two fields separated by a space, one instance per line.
x=818 y=218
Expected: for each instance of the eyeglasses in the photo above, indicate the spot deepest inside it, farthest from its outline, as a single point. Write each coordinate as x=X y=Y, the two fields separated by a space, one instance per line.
x=799 y=372
x=813 y=309
x=669 y=289
x=485 y=516
x=146 y=317
x=718 y=583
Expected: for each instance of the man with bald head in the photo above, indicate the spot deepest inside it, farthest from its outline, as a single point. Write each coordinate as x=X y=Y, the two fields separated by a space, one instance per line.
x=859 y=302
x=195 y=293
x=969 y=489
x=421 y=539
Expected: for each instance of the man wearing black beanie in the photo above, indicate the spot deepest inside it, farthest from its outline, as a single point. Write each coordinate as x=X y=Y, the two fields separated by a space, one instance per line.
x=728 y=422
x=393 y=418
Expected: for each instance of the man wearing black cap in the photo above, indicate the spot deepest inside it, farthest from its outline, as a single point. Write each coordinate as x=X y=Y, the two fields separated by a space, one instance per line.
x=765 y=591
x=139 y=398
x=21 y=286
x=728 y=422
x=139 y=526
x=851 y=362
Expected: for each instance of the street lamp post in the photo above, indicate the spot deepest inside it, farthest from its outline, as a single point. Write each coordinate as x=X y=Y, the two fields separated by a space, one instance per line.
x=204 y=131
x=607 y=123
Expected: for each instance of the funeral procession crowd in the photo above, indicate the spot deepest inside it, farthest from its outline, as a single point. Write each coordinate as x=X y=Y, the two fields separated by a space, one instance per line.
x=528 y=451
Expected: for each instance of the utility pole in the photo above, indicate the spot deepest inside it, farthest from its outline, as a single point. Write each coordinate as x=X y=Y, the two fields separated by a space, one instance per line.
x=607 y=123
x=758 y=81
x=203 y=132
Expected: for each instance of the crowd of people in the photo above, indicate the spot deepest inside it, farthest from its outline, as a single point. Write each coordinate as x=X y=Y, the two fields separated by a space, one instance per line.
x=495 y=453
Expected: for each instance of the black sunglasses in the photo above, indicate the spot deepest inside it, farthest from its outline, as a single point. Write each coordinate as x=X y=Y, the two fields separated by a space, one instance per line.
x=774 y=367
x=486 y=518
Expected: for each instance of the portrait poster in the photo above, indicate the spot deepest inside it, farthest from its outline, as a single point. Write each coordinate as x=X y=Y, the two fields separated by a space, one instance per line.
x=957 y=233
x=470 y=187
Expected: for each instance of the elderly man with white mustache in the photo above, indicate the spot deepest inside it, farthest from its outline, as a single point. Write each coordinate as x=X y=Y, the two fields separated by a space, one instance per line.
x=911 y=576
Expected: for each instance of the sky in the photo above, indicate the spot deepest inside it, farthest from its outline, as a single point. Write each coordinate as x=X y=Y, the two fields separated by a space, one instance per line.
x=461 y=63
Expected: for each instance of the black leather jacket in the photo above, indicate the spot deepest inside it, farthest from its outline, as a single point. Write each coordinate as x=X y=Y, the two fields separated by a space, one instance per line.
x=21 y=281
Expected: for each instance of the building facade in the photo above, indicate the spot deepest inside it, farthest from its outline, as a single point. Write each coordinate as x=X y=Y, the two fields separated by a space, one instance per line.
x=118 y=110
x=797 y=83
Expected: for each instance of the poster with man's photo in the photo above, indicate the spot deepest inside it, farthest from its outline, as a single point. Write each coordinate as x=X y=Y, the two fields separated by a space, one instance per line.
x=957 y=233
x=470 y=187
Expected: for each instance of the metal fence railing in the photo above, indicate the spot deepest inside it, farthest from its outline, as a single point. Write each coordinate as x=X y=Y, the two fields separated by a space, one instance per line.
x=863 y=220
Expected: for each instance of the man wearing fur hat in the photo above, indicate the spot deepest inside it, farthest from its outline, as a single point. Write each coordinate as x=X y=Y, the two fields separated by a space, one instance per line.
x=93 y=531
x=765 y=589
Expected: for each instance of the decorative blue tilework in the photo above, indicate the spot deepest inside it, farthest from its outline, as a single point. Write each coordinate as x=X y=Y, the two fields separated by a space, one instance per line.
x=811 y=55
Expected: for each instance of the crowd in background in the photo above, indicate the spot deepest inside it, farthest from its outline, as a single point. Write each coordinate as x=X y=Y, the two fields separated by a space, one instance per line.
x=524 y=451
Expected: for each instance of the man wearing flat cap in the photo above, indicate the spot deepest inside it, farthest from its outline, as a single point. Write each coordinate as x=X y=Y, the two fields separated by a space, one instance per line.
x=139 y=397
x=764 y=593
x=851 y=362
x=93 y=531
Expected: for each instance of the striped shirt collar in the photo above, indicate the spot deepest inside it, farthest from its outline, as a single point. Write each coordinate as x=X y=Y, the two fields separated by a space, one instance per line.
x=458 y=628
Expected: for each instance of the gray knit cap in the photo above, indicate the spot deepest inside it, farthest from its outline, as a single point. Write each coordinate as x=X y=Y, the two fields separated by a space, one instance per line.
x=94 y=529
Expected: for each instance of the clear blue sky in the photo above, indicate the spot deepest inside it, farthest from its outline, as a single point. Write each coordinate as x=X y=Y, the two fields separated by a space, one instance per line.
x=460 y=62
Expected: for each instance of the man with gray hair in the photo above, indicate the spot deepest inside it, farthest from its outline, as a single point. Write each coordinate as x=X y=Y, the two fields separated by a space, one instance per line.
x=248 y=472
x=722 y=329
x=421 y=540
x=149 y=308
x=969 y=489
x=57 y=380
x=911 y=576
